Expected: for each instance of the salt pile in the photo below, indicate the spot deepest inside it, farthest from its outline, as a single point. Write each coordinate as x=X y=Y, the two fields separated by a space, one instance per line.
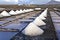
x=32 y=30
x=39 y=22
x=12 y=12
x=4 y=13
x=44 y=14
x=17 y=11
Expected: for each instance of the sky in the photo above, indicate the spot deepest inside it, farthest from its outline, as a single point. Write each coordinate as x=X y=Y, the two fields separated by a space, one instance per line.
x=25 y=1
x=34 y=1
x=8 y=1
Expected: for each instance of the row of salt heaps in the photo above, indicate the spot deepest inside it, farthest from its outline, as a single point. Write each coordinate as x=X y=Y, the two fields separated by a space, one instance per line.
x=56 y=9
x=37 y=8
x=32 y=29
x=5 y=13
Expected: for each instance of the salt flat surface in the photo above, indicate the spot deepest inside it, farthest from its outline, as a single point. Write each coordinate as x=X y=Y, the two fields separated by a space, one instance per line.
x=53 y=18
x=9 y=19
x=25 y=20
x=57 y=28
x=32 y=17
x=58 y=12
x=7 y=35
x=53 y=14
x=2 y=22
x=16 y=26
x=56 y=20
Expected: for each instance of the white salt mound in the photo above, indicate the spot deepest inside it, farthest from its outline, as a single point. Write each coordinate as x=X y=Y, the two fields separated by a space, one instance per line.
x=12 y=12
x=21 y=11
x=44 y=13
x=31 y=9
x=17 y=11
x=26 y=10
x=4 y=13
x=32 y=30
x=37 y=8
x=1 y=15
x=41 y=17
x=39 y=22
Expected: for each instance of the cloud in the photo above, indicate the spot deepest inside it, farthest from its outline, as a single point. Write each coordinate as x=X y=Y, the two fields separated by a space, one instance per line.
x=33 y=1
x=7 y=0
x=16 y=0
x=24 y=1
x=21 y=0
x=57 y=0
x=11 y=0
